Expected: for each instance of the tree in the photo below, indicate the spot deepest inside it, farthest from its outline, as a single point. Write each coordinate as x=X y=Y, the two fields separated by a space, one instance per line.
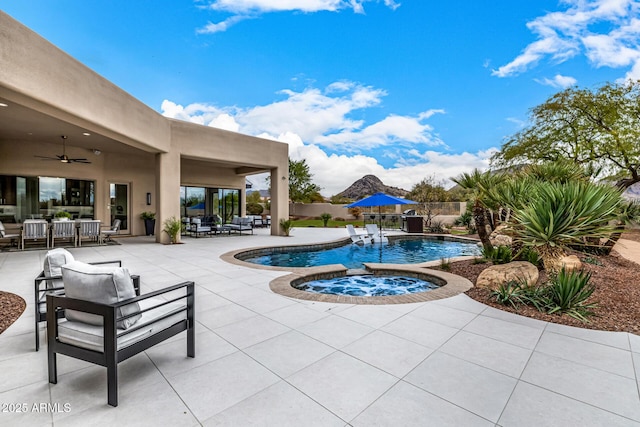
x=598 y=129
x=428 y=190
x=301 y=189
x=480 y=183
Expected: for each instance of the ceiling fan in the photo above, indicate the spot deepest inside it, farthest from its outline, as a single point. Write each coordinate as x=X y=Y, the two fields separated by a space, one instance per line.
x=64 y=158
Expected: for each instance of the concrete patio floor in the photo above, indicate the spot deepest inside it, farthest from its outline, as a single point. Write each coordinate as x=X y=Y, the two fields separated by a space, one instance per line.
x=264 y=359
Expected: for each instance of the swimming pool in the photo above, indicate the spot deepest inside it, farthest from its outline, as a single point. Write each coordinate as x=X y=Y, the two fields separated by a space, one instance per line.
x=401 y=250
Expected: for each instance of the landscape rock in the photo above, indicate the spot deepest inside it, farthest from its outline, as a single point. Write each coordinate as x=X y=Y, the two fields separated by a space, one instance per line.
x=500 y=236
x=569 y=262
x=496 y=275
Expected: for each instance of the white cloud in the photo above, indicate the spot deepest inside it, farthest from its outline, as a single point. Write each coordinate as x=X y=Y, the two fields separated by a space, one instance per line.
x=261 y=6
x=318 y=117
x=211 y=27
x=558 y=81
x=314 y=120
x=607 y=32
x=248 y=9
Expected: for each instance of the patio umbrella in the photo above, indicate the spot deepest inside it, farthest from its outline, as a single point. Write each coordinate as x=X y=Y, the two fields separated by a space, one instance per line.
x=379 y=200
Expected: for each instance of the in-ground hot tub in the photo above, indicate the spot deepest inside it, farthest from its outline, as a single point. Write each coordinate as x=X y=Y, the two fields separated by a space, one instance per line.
x=367 y=285
x=441 y=284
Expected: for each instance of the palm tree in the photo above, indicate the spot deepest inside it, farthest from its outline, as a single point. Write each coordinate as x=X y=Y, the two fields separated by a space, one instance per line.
x=481 y=183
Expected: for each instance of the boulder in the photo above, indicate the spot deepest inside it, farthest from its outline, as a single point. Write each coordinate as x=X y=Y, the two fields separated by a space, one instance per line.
x=497 y=275
x=500 y=236
x=569 y=262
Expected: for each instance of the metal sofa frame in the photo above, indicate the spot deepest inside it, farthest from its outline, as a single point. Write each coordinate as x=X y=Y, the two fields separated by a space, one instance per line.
x=111 y=355
x=41 y=290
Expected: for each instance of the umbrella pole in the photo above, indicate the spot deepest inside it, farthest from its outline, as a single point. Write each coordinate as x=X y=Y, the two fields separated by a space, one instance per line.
x=380 y=221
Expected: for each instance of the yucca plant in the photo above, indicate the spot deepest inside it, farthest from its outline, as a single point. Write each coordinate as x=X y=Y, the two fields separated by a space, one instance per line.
x=518 y=292
x=568 y=293
x=509 y=293
x=561 y=214
x=530 y=255
x=498 y=254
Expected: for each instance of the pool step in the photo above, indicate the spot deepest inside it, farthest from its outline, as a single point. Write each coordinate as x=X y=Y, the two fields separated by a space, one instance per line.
x=358 y=272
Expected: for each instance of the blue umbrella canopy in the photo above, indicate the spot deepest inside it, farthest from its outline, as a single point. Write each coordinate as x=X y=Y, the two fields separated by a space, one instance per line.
x=381 y=199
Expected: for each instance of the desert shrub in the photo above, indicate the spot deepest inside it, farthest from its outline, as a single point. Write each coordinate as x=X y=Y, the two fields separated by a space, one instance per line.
x=436 y=227
x=287 y=225
x=498 y=254
x=325 y=218
x=356 y=212
x=591 y=260
x=172 y=227
x=254 y=209
x=529 y=255
x=464 y=220
x=568 y=293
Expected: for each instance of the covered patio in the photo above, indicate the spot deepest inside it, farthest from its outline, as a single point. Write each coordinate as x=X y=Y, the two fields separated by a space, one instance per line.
x=265 y=359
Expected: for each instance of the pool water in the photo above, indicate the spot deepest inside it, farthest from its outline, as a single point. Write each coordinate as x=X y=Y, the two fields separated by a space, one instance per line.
x=367 y=285
x=396 y=251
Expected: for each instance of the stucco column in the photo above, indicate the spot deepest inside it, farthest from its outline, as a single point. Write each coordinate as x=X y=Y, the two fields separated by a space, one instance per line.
x=167 y=191
x=279 y=198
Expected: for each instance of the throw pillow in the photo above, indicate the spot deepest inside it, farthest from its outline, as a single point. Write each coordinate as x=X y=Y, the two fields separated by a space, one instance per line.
x=53 y=262
x=100 y=284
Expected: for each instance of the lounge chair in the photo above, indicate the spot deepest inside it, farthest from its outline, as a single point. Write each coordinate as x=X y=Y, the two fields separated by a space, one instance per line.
x=357 y=237
x=105 y=322
x=375 y=234
x=49 y=281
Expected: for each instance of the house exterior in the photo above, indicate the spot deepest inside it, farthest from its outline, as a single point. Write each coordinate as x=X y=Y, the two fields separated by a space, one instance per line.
x=136 y=159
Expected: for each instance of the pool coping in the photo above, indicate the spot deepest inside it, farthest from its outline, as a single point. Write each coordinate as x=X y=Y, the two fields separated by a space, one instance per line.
x=454 y=284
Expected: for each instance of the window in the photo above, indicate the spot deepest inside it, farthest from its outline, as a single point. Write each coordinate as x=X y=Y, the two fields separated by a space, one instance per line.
x=201 y=201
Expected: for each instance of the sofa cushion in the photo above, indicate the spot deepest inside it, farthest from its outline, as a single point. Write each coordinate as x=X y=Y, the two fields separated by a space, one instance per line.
x=100 y=284
x=91 y=337
x=53 y=262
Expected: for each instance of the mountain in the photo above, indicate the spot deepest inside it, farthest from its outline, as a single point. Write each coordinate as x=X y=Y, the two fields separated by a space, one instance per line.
x=368 y=185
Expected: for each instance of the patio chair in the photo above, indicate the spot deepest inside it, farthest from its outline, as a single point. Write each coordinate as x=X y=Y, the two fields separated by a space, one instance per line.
x=13 y=238
x=89 y=229
x=105 y=323
x=63 y=230
x=197 y=228
x=49 y=281
x=375 y=234
x=240 y=224
x=34 y=230
x=357 y=237
x=114 y=230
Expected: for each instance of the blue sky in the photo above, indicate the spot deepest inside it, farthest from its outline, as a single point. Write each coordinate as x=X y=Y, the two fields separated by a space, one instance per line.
x=404 y=90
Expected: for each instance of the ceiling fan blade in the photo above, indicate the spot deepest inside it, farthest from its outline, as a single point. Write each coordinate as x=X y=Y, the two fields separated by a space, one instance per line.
x=79 y=160
x=47 y=158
